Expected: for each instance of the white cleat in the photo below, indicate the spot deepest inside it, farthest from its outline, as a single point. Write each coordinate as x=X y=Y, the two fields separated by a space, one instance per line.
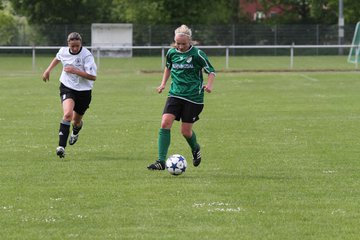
x=73 y=138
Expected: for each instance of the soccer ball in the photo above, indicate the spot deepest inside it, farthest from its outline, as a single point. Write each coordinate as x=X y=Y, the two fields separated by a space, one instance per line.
x=176 y=164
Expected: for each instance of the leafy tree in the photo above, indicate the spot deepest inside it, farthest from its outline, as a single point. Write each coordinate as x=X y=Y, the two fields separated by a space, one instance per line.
x=199 y=12
x=322 y=11
x=175 y=12
x=313 y=11
x=292 y=10
x=50 y=19
x=140 y=12
x=9 y=25
x=8 y=29
x=351 y=10
x=64 y=11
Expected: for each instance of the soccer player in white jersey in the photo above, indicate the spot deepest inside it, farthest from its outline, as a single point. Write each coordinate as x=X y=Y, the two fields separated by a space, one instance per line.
x=185 y=64
x=76 y=82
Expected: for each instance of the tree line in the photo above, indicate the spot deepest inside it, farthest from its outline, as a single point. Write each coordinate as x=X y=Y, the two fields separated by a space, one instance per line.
x=177 y=12
x=15 y=13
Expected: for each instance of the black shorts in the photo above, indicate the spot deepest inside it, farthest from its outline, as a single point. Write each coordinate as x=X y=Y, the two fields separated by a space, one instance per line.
x=82 y=99
x=187 y=111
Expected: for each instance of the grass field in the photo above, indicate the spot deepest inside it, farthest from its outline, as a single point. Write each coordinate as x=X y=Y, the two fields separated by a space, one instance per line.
x=281 y=158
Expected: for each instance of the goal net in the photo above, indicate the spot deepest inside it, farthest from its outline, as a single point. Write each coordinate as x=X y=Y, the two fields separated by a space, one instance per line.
x=354 y=50
x=112 y=39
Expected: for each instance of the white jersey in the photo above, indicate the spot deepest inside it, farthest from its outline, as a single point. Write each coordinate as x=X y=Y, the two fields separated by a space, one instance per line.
x=83 y=61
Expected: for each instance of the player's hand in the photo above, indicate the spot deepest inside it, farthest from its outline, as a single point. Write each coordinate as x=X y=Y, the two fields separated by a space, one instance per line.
x=160 y=88
x=46 y=76
x=208 y=88
x=70 y=69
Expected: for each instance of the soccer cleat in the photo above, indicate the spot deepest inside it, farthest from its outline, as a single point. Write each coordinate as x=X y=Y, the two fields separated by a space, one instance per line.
x=60 y=151
x=196 y=156
x=158 y=165
x=73 y=138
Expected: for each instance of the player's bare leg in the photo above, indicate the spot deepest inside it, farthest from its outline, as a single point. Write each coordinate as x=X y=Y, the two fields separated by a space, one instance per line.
x=190 y=136
x=68 y=106
x=163 y=142
x=77 y=125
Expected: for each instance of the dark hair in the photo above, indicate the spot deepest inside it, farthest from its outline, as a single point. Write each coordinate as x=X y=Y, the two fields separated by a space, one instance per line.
x=74 y=36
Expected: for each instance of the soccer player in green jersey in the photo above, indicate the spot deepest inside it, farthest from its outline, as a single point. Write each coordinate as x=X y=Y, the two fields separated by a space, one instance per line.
x=185 y=64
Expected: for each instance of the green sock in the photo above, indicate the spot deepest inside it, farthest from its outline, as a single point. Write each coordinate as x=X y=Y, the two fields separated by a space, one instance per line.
x=192 y=141
x=163 y=143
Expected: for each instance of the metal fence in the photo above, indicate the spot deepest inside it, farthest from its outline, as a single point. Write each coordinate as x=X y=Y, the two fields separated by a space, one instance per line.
x=293 y=51
x=241 y=40
x=162 y=35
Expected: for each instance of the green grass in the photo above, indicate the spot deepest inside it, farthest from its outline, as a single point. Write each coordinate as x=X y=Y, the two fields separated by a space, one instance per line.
x=243 y=63
x=280 y=158
x=154 y=64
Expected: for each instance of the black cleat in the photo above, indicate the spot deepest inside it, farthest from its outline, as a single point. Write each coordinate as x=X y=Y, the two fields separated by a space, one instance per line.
x=196 y=156
x=158 y=165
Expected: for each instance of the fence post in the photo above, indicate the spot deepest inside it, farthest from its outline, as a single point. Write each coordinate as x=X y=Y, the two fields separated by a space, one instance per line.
x=317 y=39
x=275 y=39
x=98 y=57
x=33 y=58
x=292 y=56
x=162 y=58
x=227 y=58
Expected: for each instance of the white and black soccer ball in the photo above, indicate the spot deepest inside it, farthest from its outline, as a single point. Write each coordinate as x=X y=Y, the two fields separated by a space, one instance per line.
x=176 y=164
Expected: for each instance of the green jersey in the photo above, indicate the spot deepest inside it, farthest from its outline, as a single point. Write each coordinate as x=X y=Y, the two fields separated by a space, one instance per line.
x=186 y=73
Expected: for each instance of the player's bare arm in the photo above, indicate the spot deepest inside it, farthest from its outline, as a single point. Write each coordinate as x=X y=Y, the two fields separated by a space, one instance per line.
x=166 y=76
x=46 y=74
x=209 y=86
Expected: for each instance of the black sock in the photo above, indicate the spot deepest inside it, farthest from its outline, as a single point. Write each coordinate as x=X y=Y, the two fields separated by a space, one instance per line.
x=64 y=133
x=76 y=129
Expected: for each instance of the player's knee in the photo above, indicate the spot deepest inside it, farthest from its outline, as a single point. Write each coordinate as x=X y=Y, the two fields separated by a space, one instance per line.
x=67 y=117
x=186 y=133
x=166 y=124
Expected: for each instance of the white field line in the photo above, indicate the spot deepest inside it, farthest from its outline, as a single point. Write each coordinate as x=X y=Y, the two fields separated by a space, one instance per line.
x=309 y=78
